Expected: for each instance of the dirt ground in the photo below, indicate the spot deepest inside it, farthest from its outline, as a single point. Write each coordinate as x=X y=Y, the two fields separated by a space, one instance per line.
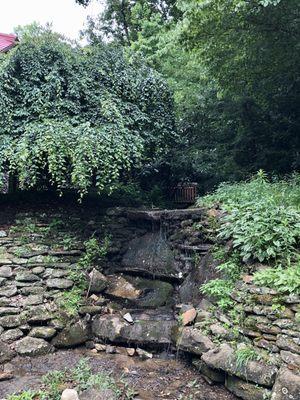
x=152 y=379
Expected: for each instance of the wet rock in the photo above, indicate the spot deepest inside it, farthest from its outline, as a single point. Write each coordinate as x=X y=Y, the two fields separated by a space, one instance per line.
x=42 y=332
x=57 y=283
x=70 y=394
x=72 y=335
x=11 y=335
x=6 y=353
x=193 y=341
x=30 y=346
x=287 y=385
x=205 y=271
x=224 y=358
x=150 y=255
x=121 y=288
x=5 y=272
x=246 y=390
x=98 y=281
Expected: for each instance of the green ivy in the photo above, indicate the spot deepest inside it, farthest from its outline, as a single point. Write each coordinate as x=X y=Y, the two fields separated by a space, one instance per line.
x=76 y=117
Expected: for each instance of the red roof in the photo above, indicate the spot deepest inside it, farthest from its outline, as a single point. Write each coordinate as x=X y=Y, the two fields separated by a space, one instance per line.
x=7 y=42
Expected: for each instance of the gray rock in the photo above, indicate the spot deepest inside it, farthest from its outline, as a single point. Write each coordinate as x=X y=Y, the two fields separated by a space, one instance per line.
x=290 y=358
x=34 y=299
x=92 y=310
x=98 y=394
x=38 y=313
x=213 y=375
x=26 y=277
x=9 y=311
x=11 y=321
x=72 y=335
x=6 y=353
x=287 y=385
x=98 y=281
x=284 y=342
x=26 y=291
x=5 y=272
x=3 y=234
x=11 y=335
x=224 y=358
x=30 y=346
x=145 y=330
x=193 y=341
x=246 y=390
x=57 y=283
x=8 y=291
x=42 y=332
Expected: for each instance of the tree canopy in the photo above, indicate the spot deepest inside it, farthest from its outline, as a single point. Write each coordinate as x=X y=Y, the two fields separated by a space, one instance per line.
x=79 y=117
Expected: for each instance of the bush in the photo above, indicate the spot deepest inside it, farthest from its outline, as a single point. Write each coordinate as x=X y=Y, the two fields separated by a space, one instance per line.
x=262 y=218
x=284 y=280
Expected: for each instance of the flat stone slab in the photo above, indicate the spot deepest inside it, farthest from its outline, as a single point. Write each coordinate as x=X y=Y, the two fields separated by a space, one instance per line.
x=145 y=329
x=224 y=358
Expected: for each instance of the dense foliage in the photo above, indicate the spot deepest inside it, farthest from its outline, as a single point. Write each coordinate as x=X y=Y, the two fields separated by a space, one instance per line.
x=79 y=117
x=261 y=219
x=233 y=65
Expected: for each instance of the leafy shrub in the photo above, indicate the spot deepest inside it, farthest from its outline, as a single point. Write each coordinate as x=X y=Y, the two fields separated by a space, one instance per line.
x=284 y=280
x=262 y=217
x=262 y=232
x=220 y=290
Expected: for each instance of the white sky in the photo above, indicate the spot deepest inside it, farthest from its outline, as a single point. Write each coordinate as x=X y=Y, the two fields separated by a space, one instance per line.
x=67 y=16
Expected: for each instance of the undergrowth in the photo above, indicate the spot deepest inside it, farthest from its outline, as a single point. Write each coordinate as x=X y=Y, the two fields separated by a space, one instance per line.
x=261 y=221
x=81 y=378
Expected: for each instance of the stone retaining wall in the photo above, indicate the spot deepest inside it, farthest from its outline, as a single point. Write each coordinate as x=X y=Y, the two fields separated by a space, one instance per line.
x=144 y=294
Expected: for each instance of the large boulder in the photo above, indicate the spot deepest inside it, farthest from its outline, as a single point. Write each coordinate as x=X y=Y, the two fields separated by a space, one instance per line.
x=30 y=346
x=150 y=255
x=287 y=385
x=224 y=358
x=72 y=335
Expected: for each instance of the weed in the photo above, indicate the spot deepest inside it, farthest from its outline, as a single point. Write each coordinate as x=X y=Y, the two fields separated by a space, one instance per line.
x=244 y=355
